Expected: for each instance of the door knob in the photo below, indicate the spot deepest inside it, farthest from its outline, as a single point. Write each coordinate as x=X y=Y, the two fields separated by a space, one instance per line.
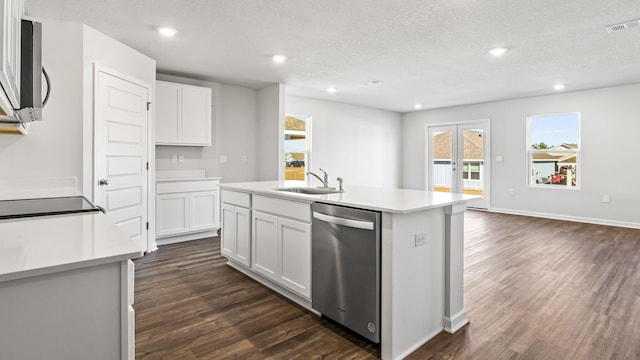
x=103 y=182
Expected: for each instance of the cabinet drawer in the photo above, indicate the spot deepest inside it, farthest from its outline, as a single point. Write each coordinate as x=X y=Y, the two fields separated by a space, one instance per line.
x=287 y=208
x=166 y=187
x=236 y=198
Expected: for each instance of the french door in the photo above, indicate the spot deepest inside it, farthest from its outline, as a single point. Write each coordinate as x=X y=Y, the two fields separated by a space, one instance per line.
x=458 y=160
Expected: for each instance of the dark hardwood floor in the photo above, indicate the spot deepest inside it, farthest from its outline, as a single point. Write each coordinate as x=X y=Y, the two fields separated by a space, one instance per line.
x=534 y=289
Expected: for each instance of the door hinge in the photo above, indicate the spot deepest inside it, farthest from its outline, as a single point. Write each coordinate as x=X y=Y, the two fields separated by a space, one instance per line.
x=147 y=225
x=147 y=165
x=148 y=105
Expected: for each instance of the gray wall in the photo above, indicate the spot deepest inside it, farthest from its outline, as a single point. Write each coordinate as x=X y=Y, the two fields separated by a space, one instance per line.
x=360 y=144
x=234 y=135
x=610 y=124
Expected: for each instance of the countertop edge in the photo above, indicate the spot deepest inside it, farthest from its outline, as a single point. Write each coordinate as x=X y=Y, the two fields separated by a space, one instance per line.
x=322 y=198
x=69 y=266
x=187 y=179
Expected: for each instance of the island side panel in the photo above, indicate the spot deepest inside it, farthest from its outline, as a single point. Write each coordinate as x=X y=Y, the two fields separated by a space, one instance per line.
x=455 y=316
x=412 y=281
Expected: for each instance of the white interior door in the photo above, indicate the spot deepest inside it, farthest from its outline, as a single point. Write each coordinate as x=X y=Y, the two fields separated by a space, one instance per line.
x=121 y=151
x=458 y=160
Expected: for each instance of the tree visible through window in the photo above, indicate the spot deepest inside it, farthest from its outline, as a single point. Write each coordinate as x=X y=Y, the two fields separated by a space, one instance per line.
x=553 y=146
x=296 y=146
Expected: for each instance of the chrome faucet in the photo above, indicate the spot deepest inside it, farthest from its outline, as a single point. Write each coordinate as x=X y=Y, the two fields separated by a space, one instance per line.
x=340 y=181
x=325 y=182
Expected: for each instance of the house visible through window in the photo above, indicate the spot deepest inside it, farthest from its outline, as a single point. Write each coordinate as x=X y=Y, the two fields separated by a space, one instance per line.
x=554 y=150
x=296 y=146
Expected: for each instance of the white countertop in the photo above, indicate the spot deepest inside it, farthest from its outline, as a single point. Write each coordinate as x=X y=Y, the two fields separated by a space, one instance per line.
x=401 y=201
x=183 y=175
x=186 y=179
x=43 y=245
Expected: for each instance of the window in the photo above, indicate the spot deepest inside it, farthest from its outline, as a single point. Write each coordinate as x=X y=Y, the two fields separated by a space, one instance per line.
x=471 y=171
x=296 y=146
x=553 y=146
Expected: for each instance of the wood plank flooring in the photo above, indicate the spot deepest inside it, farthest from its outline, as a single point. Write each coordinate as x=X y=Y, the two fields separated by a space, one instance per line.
x=534 y=289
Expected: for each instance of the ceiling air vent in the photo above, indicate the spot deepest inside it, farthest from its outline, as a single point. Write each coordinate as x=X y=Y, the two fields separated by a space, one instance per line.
x=623 y=26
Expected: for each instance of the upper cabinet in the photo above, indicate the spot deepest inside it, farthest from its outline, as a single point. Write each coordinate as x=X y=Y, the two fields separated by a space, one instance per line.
x=183 y=114
x=12 y=12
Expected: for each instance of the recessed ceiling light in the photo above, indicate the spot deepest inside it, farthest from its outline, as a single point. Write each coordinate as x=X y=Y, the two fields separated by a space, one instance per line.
x=498 y=51
x=559 y=86
x=167 y=31
x=417 y=106
x=279 y=58
x=331 y=90
x=372 y=82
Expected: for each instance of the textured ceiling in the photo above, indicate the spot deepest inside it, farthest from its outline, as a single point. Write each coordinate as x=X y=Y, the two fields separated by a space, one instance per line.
x=430 y=52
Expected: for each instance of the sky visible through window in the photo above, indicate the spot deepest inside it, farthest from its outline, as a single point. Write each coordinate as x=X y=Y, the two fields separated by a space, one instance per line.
x=554 y=130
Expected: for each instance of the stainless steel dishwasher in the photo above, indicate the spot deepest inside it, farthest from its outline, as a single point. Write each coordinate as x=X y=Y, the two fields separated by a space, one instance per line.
x=345 y=263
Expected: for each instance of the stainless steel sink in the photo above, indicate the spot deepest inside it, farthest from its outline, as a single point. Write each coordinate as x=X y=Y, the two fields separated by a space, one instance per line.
x=310 y=190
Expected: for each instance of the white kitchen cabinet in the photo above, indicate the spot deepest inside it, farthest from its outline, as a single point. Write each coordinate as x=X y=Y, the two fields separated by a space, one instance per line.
x=172 y=214
x=265 y=244
x=187 y=207
x=294 y=254
x=236 y=227
x=281 y=239
x=12 y=12
x=183 y=114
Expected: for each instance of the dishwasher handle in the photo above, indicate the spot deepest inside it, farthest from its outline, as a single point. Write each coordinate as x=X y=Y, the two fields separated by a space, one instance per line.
x=359 y=224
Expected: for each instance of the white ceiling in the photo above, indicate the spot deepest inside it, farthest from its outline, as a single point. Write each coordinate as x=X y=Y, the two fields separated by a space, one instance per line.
x=429 y=52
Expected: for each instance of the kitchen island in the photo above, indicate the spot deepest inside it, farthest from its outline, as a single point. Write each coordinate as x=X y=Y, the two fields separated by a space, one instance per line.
x=421 y=281
x=66 y=288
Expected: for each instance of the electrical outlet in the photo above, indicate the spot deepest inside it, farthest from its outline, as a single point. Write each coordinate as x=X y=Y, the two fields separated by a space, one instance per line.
x=245 y=158
x=511 y=192
x=605 y=199
x=174 y=159
x=180 y=159
x=421 y=239
x=223 y=159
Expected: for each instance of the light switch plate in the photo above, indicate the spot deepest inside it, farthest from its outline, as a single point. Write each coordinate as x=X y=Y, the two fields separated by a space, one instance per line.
x=223 y=159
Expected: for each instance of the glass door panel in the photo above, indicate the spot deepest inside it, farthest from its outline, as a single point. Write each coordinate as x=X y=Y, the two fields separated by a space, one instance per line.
x=442 y=154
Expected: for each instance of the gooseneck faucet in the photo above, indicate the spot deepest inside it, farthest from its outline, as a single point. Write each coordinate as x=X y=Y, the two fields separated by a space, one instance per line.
x=325 y=181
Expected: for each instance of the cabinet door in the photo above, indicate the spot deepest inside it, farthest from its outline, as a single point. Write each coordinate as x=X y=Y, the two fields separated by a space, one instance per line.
x=294 y=240
x=168 y=124
x=243 y=235
x=202 y=215
x=265 y=244
x=196 y=115
x=172 y=214
x=228 y=232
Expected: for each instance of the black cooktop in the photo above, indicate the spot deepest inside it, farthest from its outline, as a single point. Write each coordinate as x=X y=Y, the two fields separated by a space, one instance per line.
x=12 y=209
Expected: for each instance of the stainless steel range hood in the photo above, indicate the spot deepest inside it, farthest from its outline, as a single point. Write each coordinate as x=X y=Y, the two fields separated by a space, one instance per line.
x=31 y=74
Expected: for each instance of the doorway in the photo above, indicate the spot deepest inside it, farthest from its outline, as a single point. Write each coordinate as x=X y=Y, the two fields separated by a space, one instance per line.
x=458 y=160
x=121 y=123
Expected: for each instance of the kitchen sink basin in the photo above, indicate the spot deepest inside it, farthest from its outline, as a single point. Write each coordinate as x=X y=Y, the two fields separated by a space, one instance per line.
x=310 y=190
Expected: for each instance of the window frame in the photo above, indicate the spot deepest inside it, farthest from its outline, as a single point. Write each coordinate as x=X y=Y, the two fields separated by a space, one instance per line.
x=577 y=152
x=307 y=151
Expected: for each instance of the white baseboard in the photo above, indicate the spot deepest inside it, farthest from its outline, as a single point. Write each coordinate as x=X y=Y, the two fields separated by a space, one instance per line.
x=624 y=224
x=455 y=322
x=185 y=237
x=418 y=344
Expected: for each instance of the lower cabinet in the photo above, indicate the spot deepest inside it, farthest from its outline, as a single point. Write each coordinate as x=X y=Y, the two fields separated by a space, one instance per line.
x=282 y=251
x=236 y=233
x=186 y=207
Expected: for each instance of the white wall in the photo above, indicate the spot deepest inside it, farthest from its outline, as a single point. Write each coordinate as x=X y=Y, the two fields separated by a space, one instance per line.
x=53 y=147
x=360 y=144
x=610 y=124
x=234 y=135
x=270 y=129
